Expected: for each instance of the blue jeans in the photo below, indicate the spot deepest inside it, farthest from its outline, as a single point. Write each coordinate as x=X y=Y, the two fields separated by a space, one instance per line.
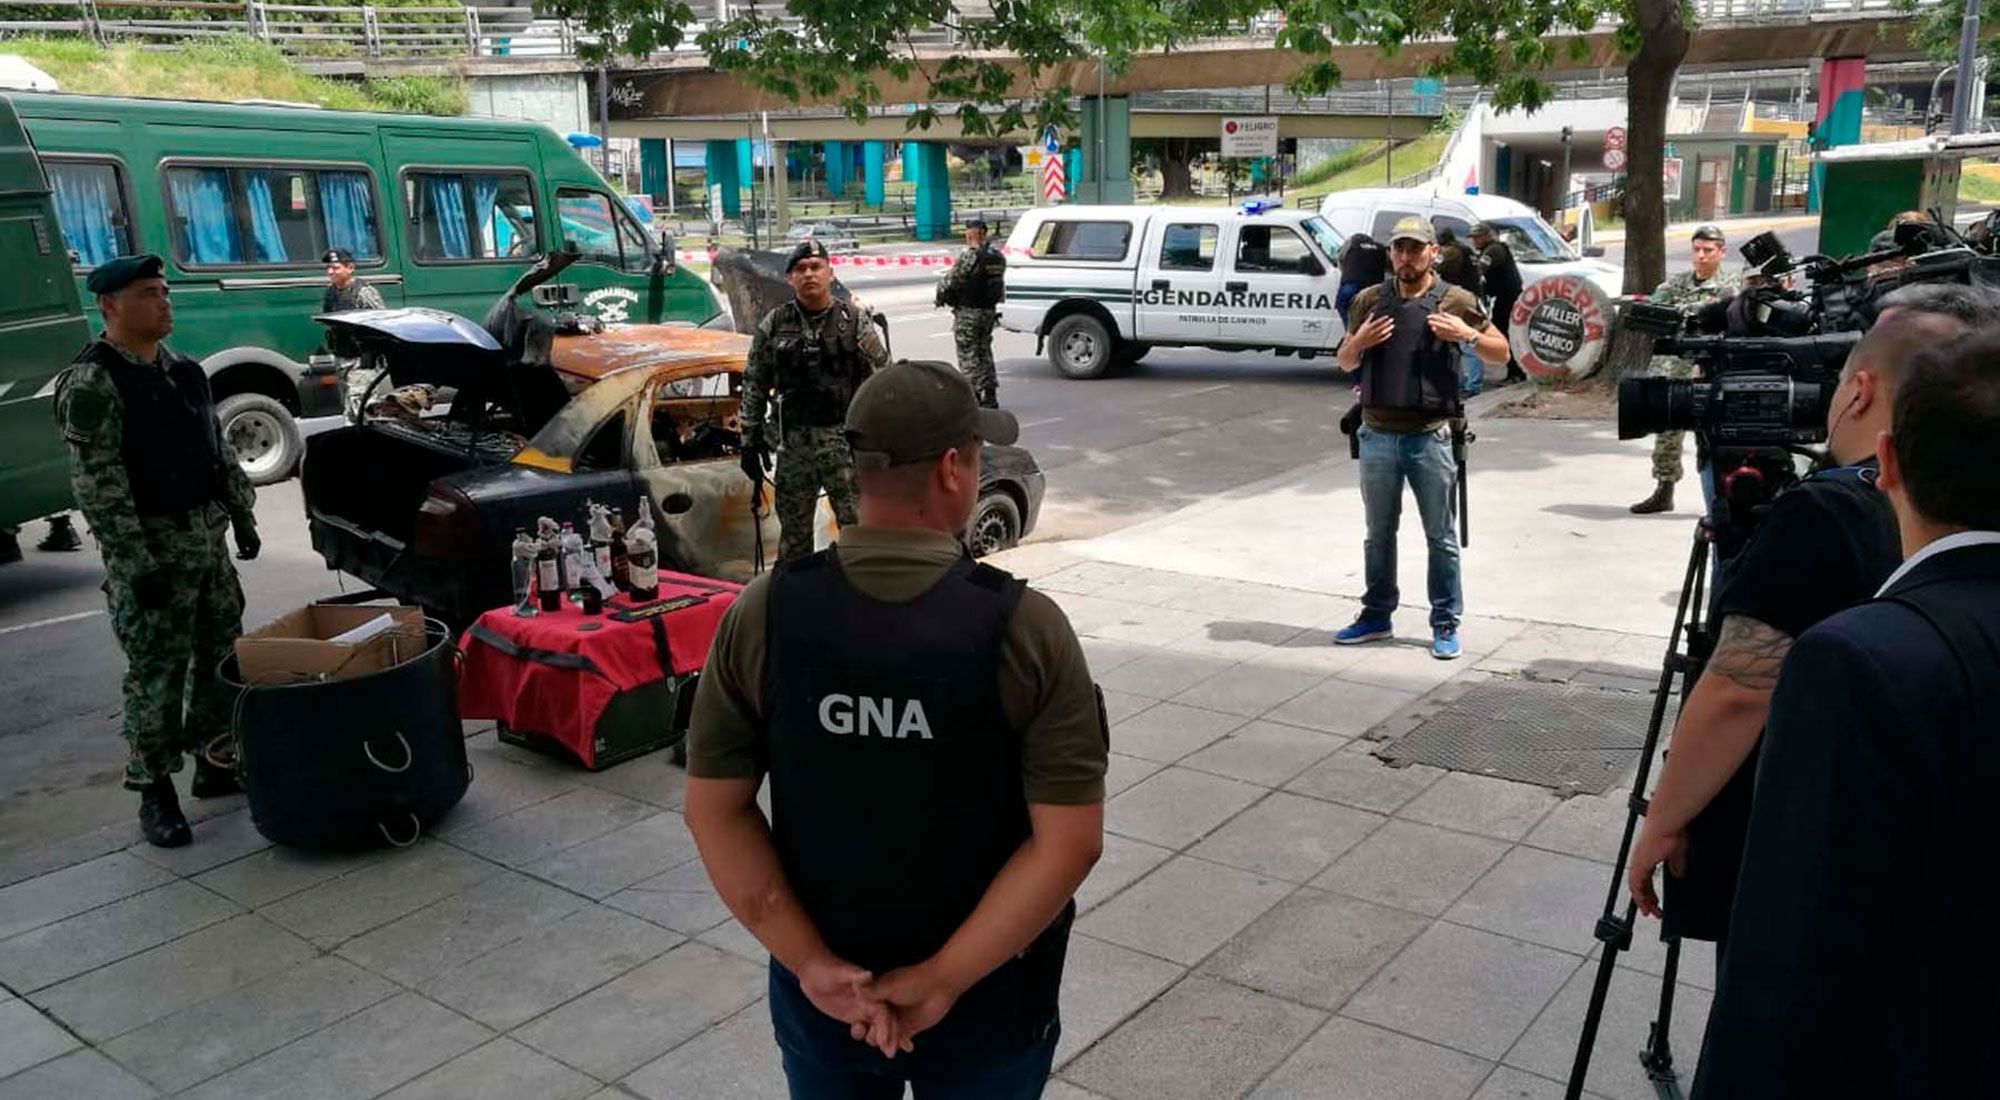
x=1424 y=460
x=823 y=1063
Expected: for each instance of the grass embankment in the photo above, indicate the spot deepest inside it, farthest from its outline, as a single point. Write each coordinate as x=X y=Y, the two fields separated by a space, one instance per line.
x=225 y=70
x=1361 y=166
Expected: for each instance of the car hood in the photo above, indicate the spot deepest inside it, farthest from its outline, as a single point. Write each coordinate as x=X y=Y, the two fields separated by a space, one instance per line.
x=412 y=325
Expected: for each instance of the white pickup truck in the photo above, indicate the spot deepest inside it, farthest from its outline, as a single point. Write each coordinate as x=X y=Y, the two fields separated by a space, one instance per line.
x=1100 y=286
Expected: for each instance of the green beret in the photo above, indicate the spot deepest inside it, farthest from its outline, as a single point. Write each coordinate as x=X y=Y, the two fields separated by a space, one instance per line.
x=113 y=276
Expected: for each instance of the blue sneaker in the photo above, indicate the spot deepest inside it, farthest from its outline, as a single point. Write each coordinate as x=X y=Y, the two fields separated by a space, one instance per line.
x=1367 y=628
x=1444 y=643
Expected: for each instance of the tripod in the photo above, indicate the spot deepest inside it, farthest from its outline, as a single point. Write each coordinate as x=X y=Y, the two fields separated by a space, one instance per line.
x=1615 y=931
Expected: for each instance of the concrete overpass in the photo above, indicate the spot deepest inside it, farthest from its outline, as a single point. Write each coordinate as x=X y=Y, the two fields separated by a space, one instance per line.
x=1145 y=124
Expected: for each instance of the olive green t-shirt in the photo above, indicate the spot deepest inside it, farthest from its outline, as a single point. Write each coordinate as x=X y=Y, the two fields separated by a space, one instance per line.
x=1456 y=301
x=1046 y=690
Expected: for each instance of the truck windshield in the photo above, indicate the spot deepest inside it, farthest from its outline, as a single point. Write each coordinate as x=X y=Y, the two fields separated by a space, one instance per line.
x=1532 y=241
x=1324 y=235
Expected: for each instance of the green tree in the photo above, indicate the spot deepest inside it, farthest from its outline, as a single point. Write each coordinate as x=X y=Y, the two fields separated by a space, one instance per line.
x=841 y=51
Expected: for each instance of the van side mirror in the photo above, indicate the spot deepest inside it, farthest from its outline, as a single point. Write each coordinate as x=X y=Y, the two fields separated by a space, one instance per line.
x=1594 y=252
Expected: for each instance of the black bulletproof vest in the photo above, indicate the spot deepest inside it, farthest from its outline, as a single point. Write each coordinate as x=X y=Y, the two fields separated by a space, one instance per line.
x=895 y=779
x=1413 y=369
x=1363 y=262
x=818 y=360
x=986 y=287
x=172 y=449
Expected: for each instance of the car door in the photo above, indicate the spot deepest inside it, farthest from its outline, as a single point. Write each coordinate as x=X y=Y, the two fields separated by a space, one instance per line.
x=1273 y=288
x=1180 y=279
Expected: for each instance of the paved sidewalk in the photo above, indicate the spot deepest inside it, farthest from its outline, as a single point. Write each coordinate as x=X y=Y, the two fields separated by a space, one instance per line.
x=1277 y=913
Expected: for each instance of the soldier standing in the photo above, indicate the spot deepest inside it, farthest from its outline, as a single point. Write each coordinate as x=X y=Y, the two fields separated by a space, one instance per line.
x=344 y=293
x=1686 y=291
x=972 y=288
x=159 y=486
x=806 y=360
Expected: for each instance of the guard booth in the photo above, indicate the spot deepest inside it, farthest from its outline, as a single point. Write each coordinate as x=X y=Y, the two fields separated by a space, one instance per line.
x=1867 y=185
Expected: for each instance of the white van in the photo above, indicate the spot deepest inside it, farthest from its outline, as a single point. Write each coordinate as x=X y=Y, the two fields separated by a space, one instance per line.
x=1537 y=247
x=1099 y=286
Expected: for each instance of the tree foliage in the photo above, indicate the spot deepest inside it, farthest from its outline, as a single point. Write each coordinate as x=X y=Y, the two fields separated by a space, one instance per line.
x=1936 y=29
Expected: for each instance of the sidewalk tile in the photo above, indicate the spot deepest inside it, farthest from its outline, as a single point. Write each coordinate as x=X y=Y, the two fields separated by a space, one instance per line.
x=1105 y=657
x=1184 y=910
x=1252 y=639
x=59 y=894
x=501 y=1070
x=217 y=840
x=20 y=865
x=1145 y=625
x=27 y=1038
x=1123 y=862
x=569 y=819
x=1649 y=956
x=1549 y=1047
x=1248 y=690
x=379 y=893
x=1349 y=1060
x=1315 y=948
x=653 y=778
x=1062 y=1090
x=1508 y=1083
x=1205 y=1038
x=509 y=986
x=1176 y=807
x=1481 y=804
x=79 y=1075
x=457 y=929
x=272 y=874
x=1168 y=731
x=737 y=1060
x=1466 y=989
x=1412 y=866
x=621 y=1026
x=363 y=1055
x=1125 y=772
x=89 y=940
x=1103 y=984
x=1265 y=753
x=1545 y=898
x=500 y=787
x=1287 y=836
x=1314 y=650
x=681 y=899
x=1354 y=777
x=1345 y=707
x=1404 y=664
x=218 y=1035
x=1157 y=590
x=158 y=983
x=1584 y=825
x=732 y=937
x=602 y=867
x=1163 y=673
x=1288 y=607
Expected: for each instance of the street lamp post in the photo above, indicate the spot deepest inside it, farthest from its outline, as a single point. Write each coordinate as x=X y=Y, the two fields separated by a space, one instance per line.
x=1968 y=44
x=1563 y=202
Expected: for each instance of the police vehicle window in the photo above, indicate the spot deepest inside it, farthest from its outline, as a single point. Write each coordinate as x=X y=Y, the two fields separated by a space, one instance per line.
x=1459 y=227
x=456 y=216
x=270 y=215
x=1188 y=248
x=1385 y=222
x=1325 y=235
x=1532 y=241
x=90 y=209
x=1071 y=240
x=1272 y=249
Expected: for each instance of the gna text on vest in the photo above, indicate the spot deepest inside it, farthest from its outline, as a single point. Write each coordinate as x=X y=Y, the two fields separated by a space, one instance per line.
x=894 y=719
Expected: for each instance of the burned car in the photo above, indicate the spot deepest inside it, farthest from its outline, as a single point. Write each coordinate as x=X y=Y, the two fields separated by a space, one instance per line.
x=534 y=413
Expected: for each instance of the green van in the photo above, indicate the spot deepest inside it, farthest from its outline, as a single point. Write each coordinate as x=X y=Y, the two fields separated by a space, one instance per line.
x=243 y=200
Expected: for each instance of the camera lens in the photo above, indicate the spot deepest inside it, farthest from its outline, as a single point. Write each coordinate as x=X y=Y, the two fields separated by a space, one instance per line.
x=1649 y=405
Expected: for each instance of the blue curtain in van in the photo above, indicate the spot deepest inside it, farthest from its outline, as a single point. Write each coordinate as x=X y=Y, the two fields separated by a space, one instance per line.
x=84 y=201
x=268 y=244
x=486 y=189
x=446 y=196
x=348 y=205
x=207 y=224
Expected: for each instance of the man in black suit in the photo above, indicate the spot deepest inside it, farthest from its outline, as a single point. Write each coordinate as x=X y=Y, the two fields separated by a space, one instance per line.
x=1861 y=959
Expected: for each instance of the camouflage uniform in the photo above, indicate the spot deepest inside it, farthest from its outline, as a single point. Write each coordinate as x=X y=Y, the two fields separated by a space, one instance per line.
x=972 y=328
x=354 y=378
x=810 y=458
x=1682 y=292
x=173 y=704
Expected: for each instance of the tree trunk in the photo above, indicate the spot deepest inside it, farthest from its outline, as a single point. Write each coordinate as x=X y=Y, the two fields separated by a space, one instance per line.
x=1649 y=84
x=1176 y=182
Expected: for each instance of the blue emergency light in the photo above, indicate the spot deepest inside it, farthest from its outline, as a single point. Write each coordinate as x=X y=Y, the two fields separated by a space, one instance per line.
x=583 y=141
x=1258 y=206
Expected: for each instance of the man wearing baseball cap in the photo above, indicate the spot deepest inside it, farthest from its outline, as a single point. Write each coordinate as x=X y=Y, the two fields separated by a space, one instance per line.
x=1403 y=339
x=344 y=292
x=936 y=752
x=1687 y=291
x=1500 y=279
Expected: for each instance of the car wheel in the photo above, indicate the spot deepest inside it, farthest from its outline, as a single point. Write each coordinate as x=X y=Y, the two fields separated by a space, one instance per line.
x=996 y=524
x=263 y=434
x=1079 y=347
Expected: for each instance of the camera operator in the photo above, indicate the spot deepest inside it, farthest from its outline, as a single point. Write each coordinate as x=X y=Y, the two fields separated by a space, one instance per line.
x=1825 y=546
x=1686 y=291
x=1861 y=963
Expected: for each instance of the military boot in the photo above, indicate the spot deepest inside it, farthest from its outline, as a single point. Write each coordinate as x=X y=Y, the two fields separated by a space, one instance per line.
x=160 y=816
x=212 y=780
x=989 y=399
x=1662 y=500
x=62 y=536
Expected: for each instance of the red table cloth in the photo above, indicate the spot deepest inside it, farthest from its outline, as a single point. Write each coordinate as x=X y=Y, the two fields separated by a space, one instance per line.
x=554 y=672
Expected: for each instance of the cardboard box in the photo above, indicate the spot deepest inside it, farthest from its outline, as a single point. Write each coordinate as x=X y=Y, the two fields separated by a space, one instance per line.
x=297 y=647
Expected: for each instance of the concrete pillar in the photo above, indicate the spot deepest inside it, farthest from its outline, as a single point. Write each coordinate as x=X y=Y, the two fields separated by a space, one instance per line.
x=933 y=211
x=838 y=163
x=781 y=207
x=871 y=172
x=1840 y=92
x=723 y=163
x=746 y=162
x=1116 y=148
x=655 y=168
x=1072 y=172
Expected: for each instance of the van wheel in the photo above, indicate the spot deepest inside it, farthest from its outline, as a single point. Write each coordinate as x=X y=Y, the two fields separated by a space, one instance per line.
x=1080 y=348
x=996 y=524
x=263 y=435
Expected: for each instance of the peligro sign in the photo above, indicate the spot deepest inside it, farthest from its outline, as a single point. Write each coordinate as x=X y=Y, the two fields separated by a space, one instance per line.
x=1558 y=327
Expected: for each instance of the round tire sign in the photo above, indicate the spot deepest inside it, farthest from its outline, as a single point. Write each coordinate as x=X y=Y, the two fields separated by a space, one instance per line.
x=1557 y=328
